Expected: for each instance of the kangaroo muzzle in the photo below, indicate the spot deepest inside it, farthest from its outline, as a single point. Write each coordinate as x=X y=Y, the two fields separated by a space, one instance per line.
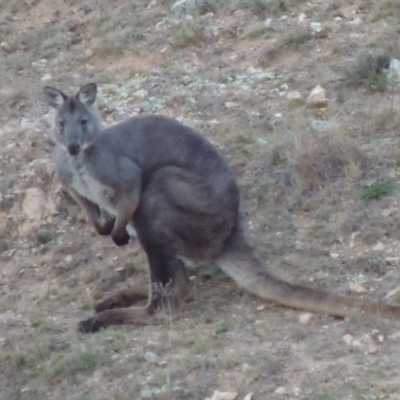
x=73 y=149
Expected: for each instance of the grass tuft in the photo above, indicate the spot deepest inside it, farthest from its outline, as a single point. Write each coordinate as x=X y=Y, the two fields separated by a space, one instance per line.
x=188 y=34
x=82 y=358
x=368 y=71
x=378 y=190
x=44 y=237
x=311 y=160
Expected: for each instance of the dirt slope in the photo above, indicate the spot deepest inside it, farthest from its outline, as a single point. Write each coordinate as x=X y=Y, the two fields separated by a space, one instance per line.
x=323 y=205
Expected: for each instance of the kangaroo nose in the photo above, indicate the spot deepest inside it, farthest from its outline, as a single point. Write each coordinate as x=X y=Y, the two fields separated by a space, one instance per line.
x=73 y=149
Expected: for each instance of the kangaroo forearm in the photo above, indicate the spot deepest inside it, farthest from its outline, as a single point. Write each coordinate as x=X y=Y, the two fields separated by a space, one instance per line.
x=125 y=210
x=92 y=210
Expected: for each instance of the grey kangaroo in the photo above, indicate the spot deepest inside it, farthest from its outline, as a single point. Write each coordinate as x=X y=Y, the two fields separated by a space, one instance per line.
x=178 y=192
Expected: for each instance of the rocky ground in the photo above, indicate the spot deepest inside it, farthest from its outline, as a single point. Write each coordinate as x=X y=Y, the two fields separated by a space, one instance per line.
x=297 y=96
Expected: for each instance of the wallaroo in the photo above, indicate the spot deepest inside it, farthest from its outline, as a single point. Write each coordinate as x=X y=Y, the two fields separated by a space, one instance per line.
x=178 y=192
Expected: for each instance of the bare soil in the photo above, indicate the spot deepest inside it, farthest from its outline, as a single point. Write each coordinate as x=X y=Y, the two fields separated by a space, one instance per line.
x=226 y=71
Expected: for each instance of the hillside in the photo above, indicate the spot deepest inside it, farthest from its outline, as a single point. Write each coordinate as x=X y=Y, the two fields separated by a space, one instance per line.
x=320 y=175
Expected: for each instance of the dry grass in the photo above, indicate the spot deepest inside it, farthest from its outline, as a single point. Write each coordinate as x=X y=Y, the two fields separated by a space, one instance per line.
x=312 y=160
x=189 y=33
x=307 y=194
x=367 y=71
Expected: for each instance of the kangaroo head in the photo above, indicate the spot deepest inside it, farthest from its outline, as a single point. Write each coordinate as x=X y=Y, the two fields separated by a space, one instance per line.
x=76 y=122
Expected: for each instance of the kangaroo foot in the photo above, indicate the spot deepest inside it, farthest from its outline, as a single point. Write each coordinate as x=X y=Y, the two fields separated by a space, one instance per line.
x=121 y=238
x=123 y=298
x=106 y=228
x=118 y=316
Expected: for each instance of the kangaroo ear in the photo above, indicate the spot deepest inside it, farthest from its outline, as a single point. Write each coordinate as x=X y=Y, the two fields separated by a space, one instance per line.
x=87 y=94
x=54 y=97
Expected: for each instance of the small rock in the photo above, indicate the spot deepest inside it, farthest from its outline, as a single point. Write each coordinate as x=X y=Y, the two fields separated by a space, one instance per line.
x=366 y=342
x=239 y=13
x=6 y=47
x=248 y=396
x=302 y=17
x=283 y=88
x=393 y=260
x=260 y=308
x=305 y=318
x=140 y=93
x=317 y=98
x=296 y=391
x=230 y=104
x=25 y=123
x=268 y=22
x=348 y=339
x=46 y=78
x=3 y=219
x=89 y=53
x=393 y=293
x=377 y=336
x=68 y=259
x=148 y=393
x=388 y=212
x=360 y=278
x=319 y=125
x=393 y=72
x=353 y=238
x=294 y=97
x=357 y=288
x=334 y=254
x=280 y=390
x=356 y=21
x=379 y=247
x=36 y=207
x=223 y=396
x=316 y=27
x=261 y=141
x=245 y=367
x=184 y=8
x=369 y=342
x=151 y=357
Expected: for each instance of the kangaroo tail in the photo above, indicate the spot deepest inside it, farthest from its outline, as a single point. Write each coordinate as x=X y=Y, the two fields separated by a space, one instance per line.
x=239 y=261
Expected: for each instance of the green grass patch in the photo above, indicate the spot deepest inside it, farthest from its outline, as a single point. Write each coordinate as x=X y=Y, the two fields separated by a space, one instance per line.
x=257 y=31
x=223 y=327
x=44 y=237
x=83 y=358
x=378 y=190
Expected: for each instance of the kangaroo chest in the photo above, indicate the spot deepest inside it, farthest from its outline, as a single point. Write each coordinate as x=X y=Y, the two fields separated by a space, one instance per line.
x=91 y=188
x=83 y=182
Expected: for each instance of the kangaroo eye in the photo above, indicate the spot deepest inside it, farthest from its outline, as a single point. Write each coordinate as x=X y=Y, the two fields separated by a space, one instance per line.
x=84 y=121
x=61 y=123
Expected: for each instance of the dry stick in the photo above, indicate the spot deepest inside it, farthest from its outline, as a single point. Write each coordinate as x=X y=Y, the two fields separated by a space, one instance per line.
x=393 y=80
x=165 y=292
x=50 y=281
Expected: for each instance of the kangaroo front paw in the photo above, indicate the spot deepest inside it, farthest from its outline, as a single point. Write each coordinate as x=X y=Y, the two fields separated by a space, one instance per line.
x=121 y=239
x=106 y=228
